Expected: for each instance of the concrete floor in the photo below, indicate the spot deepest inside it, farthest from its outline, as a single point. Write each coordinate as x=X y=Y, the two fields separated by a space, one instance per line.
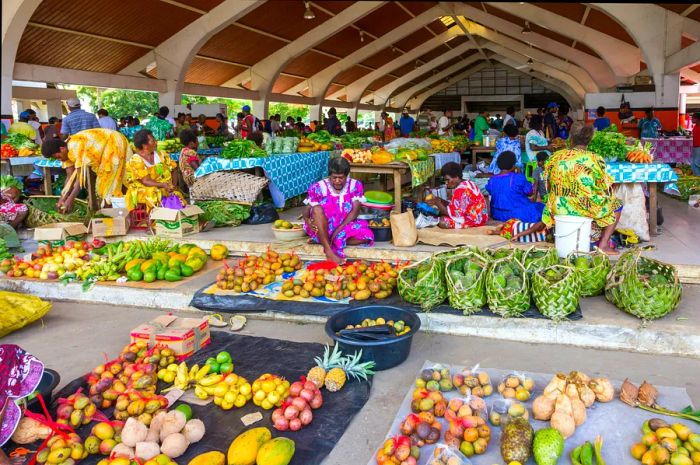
x=73 y=338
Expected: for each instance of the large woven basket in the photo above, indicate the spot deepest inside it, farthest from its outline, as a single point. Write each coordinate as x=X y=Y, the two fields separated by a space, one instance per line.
x=41 y=210
x=234 y=186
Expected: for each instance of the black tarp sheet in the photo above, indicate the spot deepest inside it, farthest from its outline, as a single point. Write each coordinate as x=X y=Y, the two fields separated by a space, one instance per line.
x=248 y=303
x=252 y=357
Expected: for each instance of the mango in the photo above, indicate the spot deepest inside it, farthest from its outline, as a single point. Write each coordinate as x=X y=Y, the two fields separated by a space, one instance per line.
x=662 y=433
x=209 y=458
x=680 y=459
x=244 y=449
x=694 y=440
x=59 y=455
x=278 y=451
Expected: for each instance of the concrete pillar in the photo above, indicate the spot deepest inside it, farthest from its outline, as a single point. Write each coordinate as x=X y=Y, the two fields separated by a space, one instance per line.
x=682 y=108
x=171 y=97
x=54 y=107
x=352 y=113
x=315 y=112
x=260 y=108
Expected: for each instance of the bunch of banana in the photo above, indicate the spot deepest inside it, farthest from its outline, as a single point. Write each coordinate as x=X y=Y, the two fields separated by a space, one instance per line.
x=185 y=378
x=206 y=386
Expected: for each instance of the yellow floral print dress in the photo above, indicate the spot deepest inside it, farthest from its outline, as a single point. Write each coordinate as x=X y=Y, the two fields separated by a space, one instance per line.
x=160 y=171
x=103 y=151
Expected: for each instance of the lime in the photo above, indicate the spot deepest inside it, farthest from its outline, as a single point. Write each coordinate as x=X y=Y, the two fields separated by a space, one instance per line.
x=223 y=357
x=226 y=368
x=186 y=410
x=210 y=360
x=214 y=366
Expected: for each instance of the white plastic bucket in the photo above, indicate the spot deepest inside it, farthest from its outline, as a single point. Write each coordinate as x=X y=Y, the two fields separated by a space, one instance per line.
x=572 y=233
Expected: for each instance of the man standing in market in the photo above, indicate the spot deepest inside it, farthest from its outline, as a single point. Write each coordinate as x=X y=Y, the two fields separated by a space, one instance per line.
x=406 y=123
x=332 y=124
x=22 y=126
x=550 y=121
x=650 y=126
x=34 y=122
x=77 y=120
x=159 y=125
x=481 y=127
x=106 y=121
x=444 y=124
x=247 y=123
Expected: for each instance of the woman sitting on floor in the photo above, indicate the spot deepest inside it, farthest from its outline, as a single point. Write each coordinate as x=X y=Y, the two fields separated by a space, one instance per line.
x=510 y=193
x=330 y=217
x=189 y=160
x=467 y=209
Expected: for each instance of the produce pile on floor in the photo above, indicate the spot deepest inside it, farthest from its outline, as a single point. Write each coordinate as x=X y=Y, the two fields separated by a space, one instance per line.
x=215 y=407
x=454 y=416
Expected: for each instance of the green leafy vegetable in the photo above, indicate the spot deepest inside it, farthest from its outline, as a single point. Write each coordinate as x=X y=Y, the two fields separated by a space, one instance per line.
x=224 y=213
x=215 y=141
x=609 y=145
x=20 y=141
x=242 y=149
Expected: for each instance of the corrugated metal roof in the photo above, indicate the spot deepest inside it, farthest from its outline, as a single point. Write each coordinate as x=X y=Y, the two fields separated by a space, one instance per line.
x=283 y=18
x=213 y=73
x=308 y=64
x=45 y=47
x=147 y=22
x=285 y=82
x=240 y=45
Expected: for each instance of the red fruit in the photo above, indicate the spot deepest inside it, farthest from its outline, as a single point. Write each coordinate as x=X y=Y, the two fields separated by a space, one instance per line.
x=306 y=416
x=307 y=394
x=295 y=424
x=291 y=412
x=403 y=440
x=311 y=386
x=281 y=424
x=277 y=414
x=317 y=401
x=296 y=388
x=403 y=452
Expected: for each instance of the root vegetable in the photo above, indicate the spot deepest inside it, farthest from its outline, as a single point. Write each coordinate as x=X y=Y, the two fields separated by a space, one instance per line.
x=307 y=394
x=173 y=422
x=291 y=412
x=563 y=405
x=579 y=411
x=193 y=431
x=306 y=416
x=134 y=431
x=558 y=383
x=277 y=414
x=29 y=431
x=295 y=424
x=564 y=423
x=571 y=391
x=317 y=401
x=603 y=389
x=174 y=445
x=296 y=388
x=146 y=450
x=156 y=425
x=281 y=424
x=587 y=395
x=122 y=450
x=300 y=403
x=543 y=408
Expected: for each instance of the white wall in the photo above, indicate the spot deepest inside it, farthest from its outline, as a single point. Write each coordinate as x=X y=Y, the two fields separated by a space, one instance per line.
x=612 y=99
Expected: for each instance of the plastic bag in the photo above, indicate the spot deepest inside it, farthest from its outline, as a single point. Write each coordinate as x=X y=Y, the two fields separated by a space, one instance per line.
x=503 y=411
x=445 y=455
x=516 y=386
x=424 y=221
x=19 y=310
x=262 y=214
x=472 y=382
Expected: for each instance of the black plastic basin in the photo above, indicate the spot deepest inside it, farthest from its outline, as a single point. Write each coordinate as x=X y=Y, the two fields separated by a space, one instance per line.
x=382 y=234
x=49 y=381
x=386 y=353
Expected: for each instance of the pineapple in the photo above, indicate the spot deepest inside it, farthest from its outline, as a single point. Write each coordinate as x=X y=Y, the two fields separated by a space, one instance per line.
x=330 y=360
x=349 y=367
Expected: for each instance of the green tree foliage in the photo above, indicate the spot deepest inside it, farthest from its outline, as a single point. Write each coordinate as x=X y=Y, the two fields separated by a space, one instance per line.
x=287 y=109
x=120 y=102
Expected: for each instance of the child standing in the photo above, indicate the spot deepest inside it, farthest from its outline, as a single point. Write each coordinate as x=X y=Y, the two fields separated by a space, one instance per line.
x=539 y=192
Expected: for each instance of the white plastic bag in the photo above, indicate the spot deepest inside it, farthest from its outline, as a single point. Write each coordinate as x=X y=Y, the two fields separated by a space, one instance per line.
x=424 y=221
x=634 y=210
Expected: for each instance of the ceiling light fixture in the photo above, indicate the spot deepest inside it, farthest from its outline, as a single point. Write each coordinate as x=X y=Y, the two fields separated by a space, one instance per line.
x=394 y=49
x=308 y=12
x=529 y=62
x=362 y=35
x=526 y=29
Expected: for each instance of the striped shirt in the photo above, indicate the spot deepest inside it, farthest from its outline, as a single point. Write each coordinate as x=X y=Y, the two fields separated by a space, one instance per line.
x=78 y=120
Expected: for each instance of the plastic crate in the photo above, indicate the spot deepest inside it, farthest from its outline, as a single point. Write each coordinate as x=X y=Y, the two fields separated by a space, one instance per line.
x=139 y=218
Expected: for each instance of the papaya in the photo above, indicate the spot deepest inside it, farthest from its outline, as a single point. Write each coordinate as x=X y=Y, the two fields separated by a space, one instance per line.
x=244 y=449
x=278 y=451
x=134 y=274
x=132 y=263
x=209 y=458
x=196 y=251
x=218 y=252
x=162 y=257
x=160 y=274
x=186 y=270
x=195 y=262
x=184 y=248
x=147 y=264
x=176 y=260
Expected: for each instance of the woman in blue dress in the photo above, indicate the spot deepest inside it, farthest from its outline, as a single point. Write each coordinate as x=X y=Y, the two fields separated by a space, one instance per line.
x=510 y=143
x=510 y=191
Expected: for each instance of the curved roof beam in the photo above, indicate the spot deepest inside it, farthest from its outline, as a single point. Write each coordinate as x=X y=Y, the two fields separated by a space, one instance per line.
x=575 y=71
x=355 y=90
x=553 y=83
x=262 y=74
x=600 y=71
x=382 y=94
x=521 y=60
x=406 y=95
x=174 y=55
x=319 y=82
x=416 y=102
x=622 y=57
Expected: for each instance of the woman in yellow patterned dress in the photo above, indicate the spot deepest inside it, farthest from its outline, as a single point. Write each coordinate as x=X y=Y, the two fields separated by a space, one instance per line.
x=150 y=175
x=580 y=186
x=103 y=151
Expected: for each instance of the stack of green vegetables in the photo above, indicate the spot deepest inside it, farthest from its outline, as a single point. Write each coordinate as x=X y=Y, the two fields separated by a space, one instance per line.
x=223 y=213
x=282 y=145
x=609 y=145
x=355 y=140
x=242 y=149
x=321 y=137
x=4 y=252
x=20 y=141
x=215 y=141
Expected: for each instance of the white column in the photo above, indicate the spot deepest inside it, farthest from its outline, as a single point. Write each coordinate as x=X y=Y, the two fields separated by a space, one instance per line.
x=315 y=112
x=171 y=97
x=261 y=107
x=54 y=108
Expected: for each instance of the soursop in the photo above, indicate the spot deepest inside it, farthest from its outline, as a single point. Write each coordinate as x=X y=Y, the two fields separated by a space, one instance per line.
x=547 y=446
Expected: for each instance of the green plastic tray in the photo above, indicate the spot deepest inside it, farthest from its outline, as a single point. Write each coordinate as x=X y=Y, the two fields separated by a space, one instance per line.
x=379 y=197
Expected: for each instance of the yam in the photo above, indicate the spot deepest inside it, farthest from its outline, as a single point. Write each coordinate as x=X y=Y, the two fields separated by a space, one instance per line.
x=174 y=445
x=134 y=431
x=29 y=431
x=587 y=395
x=122 y=450
x=173 y=422
x=563 y=405
x=579 y=411
x=193 y=431
x=603 y=389
x=572 y=392
x=147 y=450
x=543 y=408
x=564 y=423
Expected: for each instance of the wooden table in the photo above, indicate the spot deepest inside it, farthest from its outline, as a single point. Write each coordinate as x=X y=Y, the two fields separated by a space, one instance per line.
x=396 y=169
x=478 y=149
x=93 y=203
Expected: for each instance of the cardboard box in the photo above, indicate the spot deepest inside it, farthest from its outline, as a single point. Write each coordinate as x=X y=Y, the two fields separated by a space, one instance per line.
x=184 y=336
x=57 y=234
x=117 y=224
x=176 y=223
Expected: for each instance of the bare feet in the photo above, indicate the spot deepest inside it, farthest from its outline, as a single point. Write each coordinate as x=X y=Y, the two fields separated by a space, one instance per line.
x=331 y=256
x=608 y=250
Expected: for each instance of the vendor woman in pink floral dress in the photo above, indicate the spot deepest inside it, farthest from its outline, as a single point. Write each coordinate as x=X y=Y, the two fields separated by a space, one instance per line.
x=330 y=217
x=467 y=209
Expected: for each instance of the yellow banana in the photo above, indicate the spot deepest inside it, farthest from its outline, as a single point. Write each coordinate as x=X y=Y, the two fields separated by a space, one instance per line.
x=193 y=372
x=202 y=372
x=200 y=393
x=210 y=380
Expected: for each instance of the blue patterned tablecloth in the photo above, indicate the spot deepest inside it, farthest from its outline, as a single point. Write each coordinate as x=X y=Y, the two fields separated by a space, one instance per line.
x=644 y=172
x=47 y=163
x=289 y=174
x=444 y=158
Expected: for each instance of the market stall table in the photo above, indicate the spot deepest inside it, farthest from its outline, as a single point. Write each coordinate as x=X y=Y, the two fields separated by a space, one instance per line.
x=671 y=149
x=478 y=149
x=442 y=159
x=420 y=172
x=651 y=173
x=290 y=174
x=18 y=166
x=46 y=164
x=215 y=152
